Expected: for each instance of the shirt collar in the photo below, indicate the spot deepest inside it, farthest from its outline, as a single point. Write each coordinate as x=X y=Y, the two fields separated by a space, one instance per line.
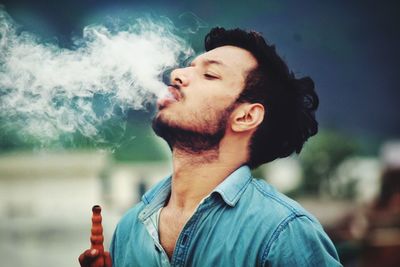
x=163 y=188
x=155 y=198
x=233 y=186
x=230 y=189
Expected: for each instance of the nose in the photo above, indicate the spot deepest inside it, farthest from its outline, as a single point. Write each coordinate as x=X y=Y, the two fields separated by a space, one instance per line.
x=180 y=77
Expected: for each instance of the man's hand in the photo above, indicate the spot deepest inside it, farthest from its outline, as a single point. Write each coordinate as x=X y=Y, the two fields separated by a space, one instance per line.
x=91 y=258
x=96 y=256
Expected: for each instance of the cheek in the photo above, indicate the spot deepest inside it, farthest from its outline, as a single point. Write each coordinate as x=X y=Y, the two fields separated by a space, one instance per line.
x=206 y=112
x=212 y=97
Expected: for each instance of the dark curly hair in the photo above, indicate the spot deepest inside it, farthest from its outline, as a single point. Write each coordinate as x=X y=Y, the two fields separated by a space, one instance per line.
x=290 y=102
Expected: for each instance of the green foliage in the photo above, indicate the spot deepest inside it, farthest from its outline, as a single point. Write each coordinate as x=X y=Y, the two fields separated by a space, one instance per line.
x=320 y=158
x=139 y=145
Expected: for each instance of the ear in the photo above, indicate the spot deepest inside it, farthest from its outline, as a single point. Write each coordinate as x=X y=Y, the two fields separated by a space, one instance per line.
x=247 y=116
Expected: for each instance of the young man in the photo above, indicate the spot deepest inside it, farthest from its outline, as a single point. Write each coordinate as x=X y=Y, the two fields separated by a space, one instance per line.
x=234 y=108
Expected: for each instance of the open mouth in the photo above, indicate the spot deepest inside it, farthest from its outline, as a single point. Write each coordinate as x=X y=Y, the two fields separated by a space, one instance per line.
x=174 y=91
x=173 y=95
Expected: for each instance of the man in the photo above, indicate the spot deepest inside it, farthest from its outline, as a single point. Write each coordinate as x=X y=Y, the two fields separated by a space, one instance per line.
x=234 y=108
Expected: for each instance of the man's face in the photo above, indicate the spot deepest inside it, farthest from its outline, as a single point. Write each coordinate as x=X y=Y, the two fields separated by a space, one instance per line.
x=205 y=90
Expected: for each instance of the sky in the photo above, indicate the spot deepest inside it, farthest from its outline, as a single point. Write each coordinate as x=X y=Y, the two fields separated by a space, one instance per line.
x=351 y=50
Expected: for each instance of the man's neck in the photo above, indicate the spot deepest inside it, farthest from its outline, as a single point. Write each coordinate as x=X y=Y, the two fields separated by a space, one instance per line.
x=195 y=175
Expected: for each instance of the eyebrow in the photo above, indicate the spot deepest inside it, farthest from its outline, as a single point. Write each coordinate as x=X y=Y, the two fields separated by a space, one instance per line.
x=207 y=62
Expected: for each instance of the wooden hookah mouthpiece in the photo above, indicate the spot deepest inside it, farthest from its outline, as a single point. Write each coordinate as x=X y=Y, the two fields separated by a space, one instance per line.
x=96 y=238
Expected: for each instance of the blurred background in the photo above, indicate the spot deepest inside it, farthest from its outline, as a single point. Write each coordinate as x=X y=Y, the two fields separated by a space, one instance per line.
x=348 y=175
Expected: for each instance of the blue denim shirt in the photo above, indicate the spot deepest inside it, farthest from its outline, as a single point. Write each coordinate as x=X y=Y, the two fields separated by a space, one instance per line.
x=243 y=222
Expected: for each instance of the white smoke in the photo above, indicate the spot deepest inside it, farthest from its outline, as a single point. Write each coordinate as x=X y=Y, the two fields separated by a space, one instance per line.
x=47 y=91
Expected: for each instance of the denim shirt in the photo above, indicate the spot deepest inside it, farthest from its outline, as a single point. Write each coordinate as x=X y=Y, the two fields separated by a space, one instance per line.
x=243 y=222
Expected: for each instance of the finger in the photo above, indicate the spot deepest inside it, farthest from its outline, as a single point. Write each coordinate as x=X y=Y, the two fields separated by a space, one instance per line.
x=87 y=257
x=82 y=260
x=107 y=259
x=91 y=253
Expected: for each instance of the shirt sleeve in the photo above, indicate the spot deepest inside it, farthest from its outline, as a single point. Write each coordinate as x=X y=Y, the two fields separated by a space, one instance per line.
x=300 y=241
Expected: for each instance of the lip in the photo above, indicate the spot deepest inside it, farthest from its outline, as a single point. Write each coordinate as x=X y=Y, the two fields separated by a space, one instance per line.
x=171 y=97
x=174 y=90
x=164 y=102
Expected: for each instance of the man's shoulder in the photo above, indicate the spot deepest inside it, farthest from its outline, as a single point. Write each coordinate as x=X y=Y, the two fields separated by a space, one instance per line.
x=271 y=204
x=287 y=224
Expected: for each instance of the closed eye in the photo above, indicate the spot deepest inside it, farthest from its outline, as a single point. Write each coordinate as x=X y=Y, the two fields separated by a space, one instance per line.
x=209 y=76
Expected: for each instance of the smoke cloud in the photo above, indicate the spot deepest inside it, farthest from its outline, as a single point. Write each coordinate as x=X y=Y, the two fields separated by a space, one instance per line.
x=47 y=91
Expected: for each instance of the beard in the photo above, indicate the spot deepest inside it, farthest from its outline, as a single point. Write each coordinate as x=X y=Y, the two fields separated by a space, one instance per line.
x=205 y=136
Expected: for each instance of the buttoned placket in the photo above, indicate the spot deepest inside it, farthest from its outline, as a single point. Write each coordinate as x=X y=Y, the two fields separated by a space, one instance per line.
x=183 y=243
x=145 y=217
x=154 y=234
